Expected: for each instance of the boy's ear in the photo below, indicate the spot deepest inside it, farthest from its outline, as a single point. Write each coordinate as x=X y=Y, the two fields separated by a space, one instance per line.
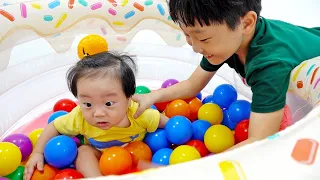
x=248 y=22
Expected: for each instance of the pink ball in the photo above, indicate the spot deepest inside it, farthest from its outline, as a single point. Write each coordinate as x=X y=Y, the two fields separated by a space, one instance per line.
x=286 y=119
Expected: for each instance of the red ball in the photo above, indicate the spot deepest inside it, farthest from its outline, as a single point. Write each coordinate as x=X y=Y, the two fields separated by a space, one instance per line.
x=200 y=147
x=241 y=131
x=64 y=105
x=68 y=174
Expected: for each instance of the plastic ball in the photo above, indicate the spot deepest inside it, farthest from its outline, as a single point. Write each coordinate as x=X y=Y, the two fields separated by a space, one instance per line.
x=17 y=174
x=55 y=115
x=210 y=112
x=184 y=153
x=68 y=174
x=77 y=141
x=60 y=151
x=157 y=140
x=199 y=128
x=48 y=173
x=286 y=118
x=142 y=90
x=162 y=105
x=218 y=138
x=3 y=178
x=169 y=82
x=178 y=108
x=34 y=136
x=10 y=158
x=208 y=99
x=239 y=110
x=178 y=130
x=162 y=156
x=194 y=106
x=91 y=45
x=139 y=151
x=199 y=96
x=224 y=95
x=23 y=143
x=64 y=105
x=200 y=147
x=153 y=107
x=226 y=120
x=115 y=161
x=241 y=131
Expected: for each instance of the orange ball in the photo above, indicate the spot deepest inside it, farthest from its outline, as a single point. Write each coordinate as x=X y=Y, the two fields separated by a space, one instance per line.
x=194 y=105
x=139 y=151
x=48 y=173
x=178 y=107
x=115 y=161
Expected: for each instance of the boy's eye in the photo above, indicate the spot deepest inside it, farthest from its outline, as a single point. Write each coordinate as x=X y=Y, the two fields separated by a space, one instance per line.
x=87 y=104
x=109 y=103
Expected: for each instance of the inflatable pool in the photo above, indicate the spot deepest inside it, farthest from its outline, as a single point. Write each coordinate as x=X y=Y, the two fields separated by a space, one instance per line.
x=38 y=43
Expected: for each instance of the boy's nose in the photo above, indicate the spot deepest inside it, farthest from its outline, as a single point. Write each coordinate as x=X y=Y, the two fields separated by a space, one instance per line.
x=99 y=112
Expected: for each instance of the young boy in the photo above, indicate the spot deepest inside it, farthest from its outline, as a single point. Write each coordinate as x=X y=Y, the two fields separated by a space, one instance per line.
x=262 y=51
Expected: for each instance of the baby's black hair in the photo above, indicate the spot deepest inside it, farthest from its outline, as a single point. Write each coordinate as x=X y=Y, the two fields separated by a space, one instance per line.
x=209 y=12
x=108 y=63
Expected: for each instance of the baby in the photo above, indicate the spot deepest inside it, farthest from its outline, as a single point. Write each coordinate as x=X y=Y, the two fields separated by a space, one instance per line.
x=103 y=84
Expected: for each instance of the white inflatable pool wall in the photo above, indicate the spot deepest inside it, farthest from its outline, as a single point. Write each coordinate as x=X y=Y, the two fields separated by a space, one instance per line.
x=33 y=67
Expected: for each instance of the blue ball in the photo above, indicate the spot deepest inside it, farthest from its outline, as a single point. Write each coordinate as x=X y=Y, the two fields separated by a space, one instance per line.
x=56 y=115
x=208 y=99
x=224 y=95
x=239 y=110
x=157 y=140
x=60 y=151
x=153 y=107
x=226 y=121
x=199 y=128
x=199 y=96
x=162 y=156
x=178 y=130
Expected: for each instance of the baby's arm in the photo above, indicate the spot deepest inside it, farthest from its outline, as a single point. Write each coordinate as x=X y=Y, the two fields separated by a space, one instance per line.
x=36 y=159
x=163 y=120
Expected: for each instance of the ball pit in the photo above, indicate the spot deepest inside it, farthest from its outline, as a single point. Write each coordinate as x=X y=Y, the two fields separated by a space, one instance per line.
x=37 y=93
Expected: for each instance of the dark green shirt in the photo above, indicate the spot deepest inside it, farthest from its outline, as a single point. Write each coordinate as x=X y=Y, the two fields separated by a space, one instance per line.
x=276 y=49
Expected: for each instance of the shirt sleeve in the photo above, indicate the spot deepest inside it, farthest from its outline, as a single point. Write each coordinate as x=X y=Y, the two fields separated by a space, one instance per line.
x=71 y=123
x=269 y=83
x=150 y=119
x=207 y=66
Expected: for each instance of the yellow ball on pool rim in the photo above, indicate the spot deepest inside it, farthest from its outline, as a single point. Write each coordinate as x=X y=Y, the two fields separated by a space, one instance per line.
x=10 y=158
x=91 y=44
x=210 y=112
x=218 y=138
x=184 y=153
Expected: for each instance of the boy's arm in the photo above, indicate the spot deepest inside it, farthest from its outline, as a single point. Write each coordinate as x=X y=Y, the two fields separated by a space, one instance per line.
x=49 y=132
x=163 y=120
x=182 y=90
x=261 y=126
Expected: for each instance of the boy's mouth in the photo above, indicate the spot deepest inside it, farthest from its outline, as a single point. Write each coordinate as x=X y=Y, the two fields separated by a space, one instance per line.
x=208 y=56
x=103 y=124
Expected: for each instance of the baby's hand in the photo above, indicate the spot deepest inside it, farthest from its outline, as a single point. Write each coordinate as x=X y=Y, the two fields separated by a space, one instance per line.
x=36 y=160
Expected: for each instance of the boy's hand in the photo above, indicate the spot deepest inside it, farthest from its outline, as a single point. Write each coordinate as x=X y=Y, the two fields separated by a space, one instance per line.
x=35 y=161
x=145 y=101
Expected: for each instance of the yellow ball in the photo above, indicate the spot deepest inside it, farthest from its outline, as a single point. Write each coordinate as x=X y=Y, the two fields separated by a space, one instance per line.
x=218 y=138
x=10 y=158
x=210 y=112
x=34 y=136
x=91 y=44
x=184 y=153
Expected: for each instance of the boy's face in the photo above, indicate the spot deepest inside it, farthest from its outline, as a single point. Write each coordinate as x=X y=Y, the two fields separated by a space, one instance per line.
x=215 y=42
x=102 y=101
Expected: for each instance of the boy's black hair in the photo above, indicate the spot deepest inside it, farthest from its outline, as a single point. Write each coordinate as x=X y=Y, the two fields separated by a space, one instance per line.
x=121 y=67
x=212 y=11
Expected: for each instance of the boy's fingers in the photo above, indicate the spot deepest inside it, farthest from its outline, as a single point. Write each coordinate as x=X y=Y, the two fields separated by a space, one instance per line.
x=40 y=166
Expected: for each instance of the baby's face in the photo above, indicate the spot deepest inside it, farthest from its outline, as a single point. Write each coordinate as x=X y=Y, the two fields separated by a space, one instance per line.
x=102 y=101
x=215 y=42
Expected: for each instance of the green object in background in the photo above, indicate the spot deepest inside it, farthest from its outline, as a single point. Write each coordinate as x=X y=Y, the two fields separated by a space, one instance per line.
x=81 y=138
x=142 y=90
x=17 y=174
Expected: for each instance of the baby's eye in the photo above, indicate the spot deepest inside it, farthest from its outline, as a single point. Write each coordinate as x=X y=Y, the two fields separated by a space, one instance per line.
x=110 y=103
x=87 y=104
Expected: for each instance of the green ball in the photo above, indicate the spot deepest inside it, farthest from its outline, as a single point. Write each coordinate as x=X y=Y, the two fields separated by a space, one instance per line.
x=142 y=90
x=17 y=174
x=81 y=138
